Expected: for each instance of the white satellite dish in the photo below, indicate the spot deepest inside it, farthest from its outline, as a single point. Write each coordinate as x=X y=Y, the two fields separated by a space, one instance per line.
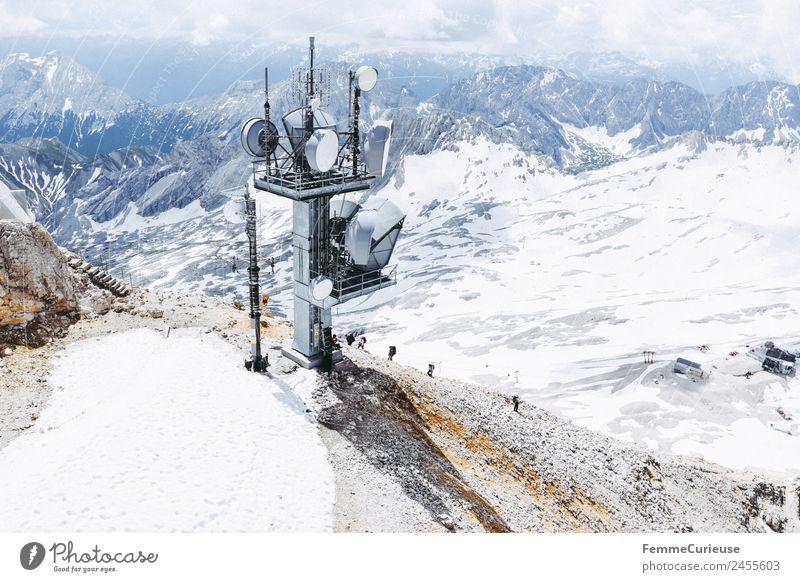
x=366 y=78
x=376 y=147
x=322 y=148
x=321 y=288
x=256 y=141
x=294 y=123
x=235 y=211
x=372 y=234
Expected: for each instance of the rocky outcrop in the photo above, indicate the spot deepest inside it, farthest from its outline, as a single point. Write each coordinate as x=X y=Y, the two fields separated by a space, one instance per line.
x=38 y=297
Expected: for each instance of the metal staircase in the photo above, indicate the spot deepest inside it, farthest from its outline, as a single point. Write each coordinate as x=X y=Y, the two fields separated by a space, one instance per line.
x=98 y=276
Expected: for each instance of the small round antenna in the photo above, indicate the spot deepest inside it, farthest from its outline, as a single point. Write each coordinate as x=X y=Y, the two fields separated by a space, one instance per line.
x=235 y=211
x=366 y=78
x=321 y=287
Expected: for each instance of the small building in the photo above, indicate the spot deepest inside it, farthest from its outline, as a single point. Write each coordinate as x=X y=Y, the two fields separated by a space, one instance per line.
x=688 y=368
x=779 y=361
x=14 y=204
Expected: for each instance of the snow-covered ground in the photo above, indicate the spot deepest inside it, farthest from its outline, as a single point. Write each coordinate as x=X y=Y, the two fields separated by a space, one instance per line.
x=149 y=433
x=550 y=285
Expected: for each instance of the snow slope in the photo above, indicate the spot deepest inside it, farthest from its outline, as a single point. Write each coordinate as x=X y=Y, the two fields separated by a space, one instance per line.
x=147 y=433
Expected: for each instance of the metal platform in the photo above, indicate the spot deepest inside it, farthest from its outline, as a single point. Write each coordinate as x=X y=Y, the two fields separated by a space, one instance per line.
x=303 y=187
x=356 y=285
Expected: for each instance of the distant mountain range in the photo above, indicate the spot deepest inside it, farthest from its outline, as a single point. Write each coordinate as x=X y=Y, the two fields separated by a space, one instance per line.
x=84 y=148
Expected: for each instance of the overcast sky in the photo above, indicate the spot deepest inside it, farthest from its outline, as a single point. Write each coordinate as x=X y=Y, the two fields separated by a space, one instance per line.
x=654 y=32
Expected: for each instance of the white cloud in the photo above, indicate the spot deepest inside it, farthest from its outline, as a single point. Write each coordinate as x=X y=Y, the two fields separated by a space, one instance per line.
x=667 y=31
x=16 y=21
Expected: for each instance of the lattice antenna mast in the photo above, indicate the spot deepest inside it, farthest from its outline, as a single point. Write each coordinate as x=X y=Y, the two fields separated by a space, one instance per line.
x=355 y=96
x=267 y=122
x=310 y=89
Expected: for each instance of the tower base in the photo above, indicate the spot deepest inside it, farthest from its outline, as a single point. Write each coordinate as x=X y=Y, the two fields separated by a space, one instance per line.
x=301 y=359
x=308 y=362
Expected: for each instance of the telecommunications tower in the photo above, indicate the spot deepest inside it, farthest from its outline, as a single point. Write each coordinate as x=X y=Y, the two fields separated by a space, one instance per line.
x=341 y=249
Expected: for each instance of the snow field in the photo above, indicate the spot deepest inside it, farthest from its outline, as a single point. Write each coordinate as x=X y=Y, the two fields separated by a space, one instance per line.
x=147 y=433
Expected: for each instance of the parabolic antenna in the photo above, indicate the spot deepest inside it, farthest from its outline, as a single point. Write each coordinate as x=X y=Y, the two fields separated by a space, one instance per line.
x=376 y=147
x=321 y=149
x=366 y=78
x=256 y=141
x=234 y=211
x=342 y=208
x=321 y=288
x=294 y=123
x=372 y=233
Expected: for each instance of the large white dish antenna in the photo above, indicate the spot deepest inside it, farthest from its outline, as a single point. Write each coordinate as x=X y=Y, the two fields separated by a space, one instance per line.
x=294 y=123
x=257 y=141
x=376 y=147
x=321 y=150
x=321 y=288
x=372 y=234
x=235 y=211
x=366 y=78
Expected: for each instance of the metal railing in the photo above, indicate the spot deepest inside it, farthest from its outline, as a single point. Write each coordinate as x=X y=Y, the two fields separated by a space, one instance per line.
x=302 y=181
x=354 y=283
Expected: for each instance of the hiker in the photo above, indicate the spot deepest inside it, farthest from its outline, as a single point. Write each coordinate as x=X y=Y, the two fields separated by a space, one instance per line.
x=431 y=367
x=327 y=361
x=362 y=342
x=335 y=343
x=350 y=339
x=516 y=401
x=272 y=264
x=392 y=352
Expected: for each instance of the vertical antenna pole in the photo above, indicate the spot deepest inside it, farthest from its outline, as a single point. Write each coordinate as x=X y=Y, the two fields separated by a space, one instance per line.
x=311 y=67
x=356 y=138
x=309 y=129
x=258 y=363
x=266 y=115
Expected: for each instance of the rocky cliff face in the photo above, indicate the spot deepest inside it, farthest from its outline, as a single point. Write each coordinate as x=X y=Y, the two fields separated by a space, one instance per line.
x=38 y=297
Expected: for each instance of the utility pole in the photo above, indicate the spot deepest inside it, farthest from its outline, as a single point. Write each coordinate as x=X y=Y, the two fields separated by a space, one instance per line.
x=257 y=363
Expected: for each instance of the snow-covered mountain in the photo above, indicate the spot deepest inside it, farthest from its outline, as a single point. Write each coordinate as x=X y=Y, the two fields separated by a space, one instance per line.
x=54 y=97
x=49 y=170
x=537 y=108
